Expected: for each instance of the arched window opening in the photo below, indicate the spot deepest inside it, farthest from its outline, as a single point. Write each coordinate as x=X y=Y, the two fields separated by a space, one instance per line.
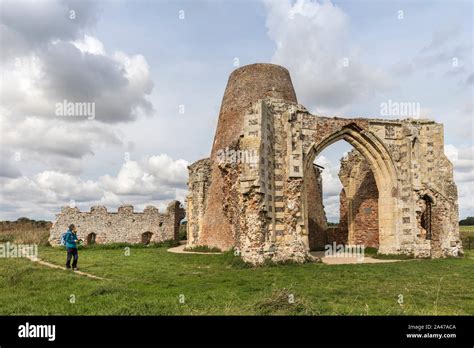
x=426 y=216
x=146 y=238
x=91 y=238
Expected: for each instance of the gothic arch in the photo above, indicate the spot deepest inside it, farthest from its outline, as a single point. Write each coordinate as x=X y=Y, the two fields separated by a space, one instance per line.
x=383 y=168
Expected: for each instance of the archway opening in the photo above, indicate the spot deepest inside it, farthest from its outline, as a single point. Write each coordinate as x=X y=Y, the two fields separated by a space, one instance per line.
x=342 y=199
x=146 y=238
x=91 y=238
x=426 y=217
x=384 y=173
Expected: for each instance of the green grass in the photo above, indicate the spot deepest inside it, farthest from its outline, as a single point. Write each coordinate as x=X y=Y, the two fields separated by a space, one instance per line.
x=466 y=230
x=167 y=243
x=467 y=237
x=150 y=281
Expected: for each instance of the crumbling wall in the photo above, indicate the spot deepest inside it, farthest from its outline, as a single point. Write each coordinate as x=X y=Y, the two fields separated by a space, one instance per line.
x=123 y=226
x=198 y=186
x=317 y=222
x=262 y=209
x=246 y=85
x=359 y=201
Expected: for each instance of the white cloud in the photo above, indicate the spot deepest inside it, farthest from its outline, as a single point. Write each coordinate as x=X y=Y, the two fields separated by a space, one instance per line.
x=49 y=59
x=49 y=56
x=89 y=44
x=153 y=181
x=28 y=26
x=55 y=143
x=463 y=161
x=332 y=187
x=77 y=72
x=158 y=174
x=312 y=42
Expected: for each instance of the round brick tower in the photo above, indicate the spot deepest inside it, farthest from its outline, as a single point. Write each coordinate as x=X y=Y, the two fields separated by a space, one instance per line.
x=245 y=86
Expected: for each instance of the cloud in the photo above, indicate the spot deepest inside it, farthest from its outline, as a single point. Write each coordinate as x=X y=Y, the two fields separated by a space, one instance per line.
x=27 y=26
x=312 y=42
x=157 y=176
x=79 y=72
x=470 y=79
x=55 y=143
x=442 y=36
x=8 y=165
x=463 y=161
x=48 y=56
x=51 y=58
x=332 y=187
x=444 y=52
x=153 y=180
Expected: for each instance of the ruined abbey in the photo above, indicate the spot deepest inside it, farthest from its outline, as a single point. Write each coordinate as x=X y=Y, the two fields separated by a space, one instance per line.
x=124 y=226
x=260 y=191
x=264 y=196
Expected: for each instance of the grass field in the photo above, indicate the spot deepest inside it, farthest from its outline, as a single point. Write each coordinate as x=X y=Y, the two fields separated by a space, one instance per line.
x=467 y=237
x=466 y=230
x=152 y=281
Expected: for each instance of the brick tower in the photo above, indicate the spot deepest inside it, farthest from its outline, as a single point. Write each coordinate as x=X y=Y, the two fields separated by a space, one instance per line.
x=245 y=85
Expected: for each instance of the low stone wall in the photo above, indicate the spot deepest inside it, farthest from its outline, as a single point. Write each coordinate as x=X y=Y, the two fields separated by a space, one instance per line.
x=124 y=226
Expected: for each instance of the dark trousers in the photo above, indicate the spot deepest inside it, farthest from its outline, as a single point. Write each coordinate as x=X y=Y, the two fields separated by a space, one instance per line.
x=71 y=252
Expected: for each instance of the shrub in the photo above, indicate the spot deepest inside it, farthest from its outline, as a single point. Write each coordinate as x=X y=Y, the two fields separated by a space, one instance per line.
x=4 y=238
x=111 y=246
x=234 y=260
x=371 y=251
x=469 y=221
x=203 y=249
x=394 y=256
x=182 y=232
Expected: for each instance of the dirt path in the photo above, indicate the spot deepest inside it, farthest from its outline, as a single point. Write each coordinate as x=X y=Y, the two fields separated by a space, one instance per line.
x=325 y=259
x=52 y=265
x=347 y=260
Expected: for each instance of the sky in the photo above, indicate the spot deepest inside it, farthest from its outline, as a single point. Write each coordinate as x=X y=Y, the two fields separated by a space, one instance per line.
x=155 y=72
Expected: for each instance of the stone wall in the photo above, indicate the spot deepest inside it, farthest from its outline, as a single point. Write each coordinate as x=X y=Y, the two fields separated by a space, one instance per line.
x=317 y=222
x=266 y=209
x=245 y=85
x=358 y=201
x=198 y=185
x=123 y=226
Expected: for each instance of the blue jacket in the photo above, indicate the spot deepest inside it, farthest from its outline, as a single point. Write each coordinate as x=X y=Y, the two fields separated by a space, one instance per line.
x=71 y=239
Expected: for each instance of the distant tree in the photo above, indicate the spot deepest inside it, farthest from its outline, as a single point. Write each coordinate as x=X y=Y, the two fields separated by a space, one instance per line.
x=469 y=221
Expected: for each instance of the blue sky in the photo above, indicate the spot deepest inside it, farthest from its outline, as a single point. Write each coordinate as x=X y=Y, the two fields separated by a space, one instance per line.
x=147 y=62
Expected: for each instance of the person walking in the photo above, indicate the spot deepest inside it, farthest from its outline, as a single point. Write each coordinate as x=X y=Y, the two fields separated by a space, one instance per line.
x=71 y=247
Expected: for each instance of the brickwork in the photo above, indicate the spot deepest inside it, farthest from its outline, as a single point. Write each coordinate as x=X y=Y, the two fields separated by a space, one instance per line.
x=268 y=209
x=360 y=195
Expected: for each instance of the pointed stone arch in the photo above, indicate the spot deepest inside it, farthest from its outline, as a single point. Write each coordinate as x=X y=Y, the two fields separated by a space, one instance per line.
x=385 y=174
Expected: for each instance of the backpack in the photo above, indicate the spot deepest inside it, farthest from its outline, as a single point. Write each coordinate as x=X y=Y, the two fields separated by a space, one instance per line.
x=62 y=240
